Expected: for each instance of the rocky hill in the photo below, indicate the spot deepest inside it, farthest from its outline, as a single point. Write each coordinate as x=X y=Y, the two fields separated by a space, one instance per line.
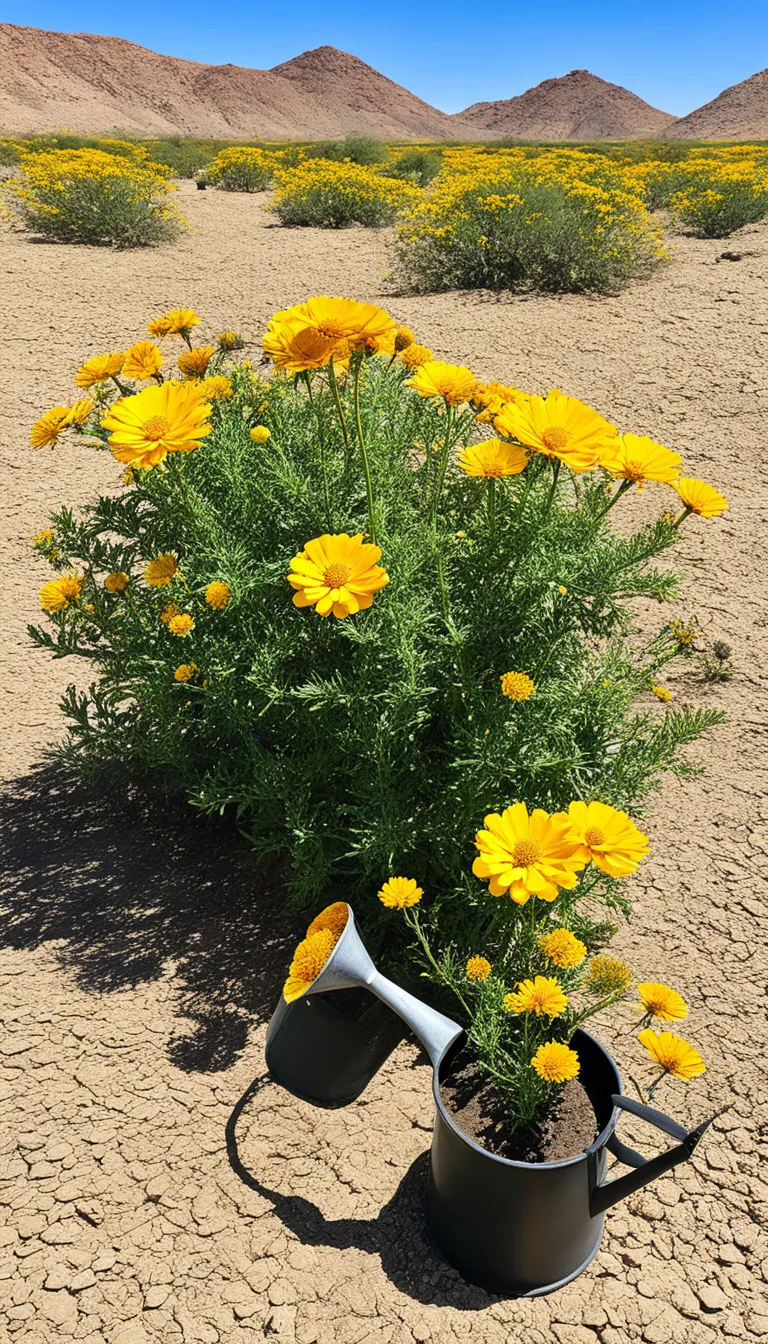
x=577 y=106
x=738 y=113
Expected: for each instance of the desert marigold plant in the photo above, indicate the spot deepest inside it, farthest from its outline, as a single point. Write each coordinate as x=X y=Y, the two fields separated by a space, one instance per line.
x=328 y=604
x=332 y=195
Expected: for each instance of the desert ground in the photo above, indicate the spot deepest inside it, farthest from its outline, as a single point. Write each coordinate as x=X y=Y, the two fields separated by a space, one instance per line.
x=140 y=952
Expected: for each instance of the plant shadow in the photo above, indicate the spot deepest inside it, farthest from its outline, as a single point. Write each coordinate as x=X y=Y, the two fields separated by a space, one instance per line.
x=129 y=885
x=398 y=1235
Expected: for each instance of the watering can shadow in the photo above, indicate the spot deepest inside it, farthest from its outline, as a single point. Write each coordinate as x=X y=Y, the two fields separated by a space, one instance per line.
x=515 y=1228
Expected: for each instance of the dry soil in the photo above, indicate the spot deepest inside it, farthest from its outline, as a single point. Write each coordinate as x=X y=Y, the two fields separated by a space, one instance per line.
x=139 y=955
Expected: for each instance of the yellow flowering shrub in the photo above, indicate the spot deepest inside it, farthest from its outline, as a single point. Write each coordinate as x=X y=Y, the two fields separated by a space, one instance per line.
x=331 y=195
x=93 y=196
x=242 y=168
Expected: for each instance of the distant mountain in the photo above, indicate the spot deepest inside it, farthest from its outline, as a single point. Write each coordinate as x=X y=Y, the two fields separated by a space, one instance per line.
x=738 y=113
x=92 y=85
x=577 y=106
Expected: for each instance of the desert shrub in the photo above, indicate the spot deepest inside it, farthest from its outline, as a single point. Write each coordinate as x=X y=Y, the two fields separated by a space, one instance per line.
x=184 y=158
x=517 y=231
x=361 y=149
x=495 y=664
x=416 y=165
x=716 y=198
x=242 y=168
x=332 y=195
x=92 y=196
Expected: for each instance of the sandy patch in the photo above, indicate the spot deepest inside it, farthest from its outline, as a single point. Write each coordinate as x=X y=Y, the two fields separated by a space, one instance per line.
x=138 y=967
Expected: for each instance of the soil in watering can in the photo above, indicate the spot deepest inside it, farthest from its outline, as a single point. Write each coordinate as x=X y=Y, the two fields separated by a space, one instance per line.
x=475 y=1105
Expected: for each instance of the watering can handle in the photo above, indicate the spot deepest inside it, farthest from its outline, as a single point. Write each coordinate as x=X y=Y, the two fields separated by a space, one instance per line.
x=646 y=1169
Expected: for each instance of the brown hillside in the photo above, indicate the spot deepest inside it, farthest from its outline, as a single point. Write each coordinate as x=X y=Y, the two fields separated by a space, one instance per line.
x=577 y=106
x=91 y=85
x=738 y=113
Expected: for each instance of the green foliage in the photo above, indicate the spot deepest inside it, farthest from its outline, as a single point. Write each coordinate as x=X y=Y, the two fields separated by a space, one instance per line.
x=716 y=208
x=184 y=158
x=333 y=195
x=243 y=168
x=416 y=165
x=361 y=149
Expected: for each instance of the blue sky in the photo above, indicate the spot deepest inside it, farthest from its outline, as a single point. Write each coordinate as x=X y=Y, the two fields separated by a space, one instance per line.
x=676 y=55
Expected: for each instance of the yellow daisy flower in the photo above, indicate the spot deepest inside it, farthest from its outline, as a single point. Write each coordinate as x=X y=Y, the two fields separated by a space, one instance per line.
x=659 y=1001
x=150 y=424
x=161 y=570
x=260 y=434
x=611 y=840
x=414 y=356
x=493 y=458
x=193 y=363
x=478 y=968
x=636 y=458
x=308 y=961
x=700 y=498
x=542 y=996
x=45 y=431
x=99 y=369
x=452 y=382
x=181 y=625
x=230 y=340
x=526 y=855
x=333 y=917
x=185 y=671
x=517 y=686
x=217 y=595
x=59 y=593
x=558 y=426
x=403 y=338
x=662 y=693
x=178 y=322
x=337 y=574
x=117 y=581
x=672 y=1054
x=399 y=893
x=608 y=975
x=562 y=948
x=555 y=1063
x=142 y=361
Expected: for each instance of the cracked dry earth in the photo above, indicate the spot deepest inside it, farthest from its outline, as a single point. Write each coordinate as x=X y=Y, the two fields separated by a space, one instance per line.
x=141 y=952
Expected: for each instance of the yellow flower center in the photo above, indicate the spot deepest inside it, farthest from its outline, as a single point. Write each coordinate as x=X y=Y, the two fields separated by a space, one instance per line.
x=492 y=469
x=336 y=576
x=157 y=428
x=634 y=472
x=525 y=853
x=332 y=330
x=555 y=437
x=594 y=836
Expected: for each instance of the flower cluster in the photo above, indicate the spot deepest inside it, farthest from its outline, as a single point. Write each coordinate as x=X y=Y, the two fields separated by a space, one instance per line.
x=331 y=195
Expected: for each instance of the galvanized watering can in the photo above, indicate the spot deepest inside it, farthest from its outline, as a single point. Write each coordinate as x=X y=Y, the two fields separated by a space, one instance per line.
x=515 y=1228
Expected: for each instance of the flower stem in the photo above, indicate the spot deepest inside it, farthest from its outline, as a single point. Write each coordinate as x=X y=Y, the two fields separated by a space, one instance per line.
x=321 y=432
x=553 y=488
x=364 y=452
x=413 y=920
x=622 y=490
x=340 y=411
x=492 y=510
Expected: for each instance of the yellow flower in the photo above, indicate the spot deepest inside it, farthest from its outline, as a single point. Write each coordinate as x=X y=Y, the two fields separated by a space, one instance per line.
x=611 y=840
x=562 y=948
x=700 y=498
x=117 y=581
x=492 y=398
x=99 y=369
x=337 y=574
x=558 y=426
x=308 y=961
x=662 y=1002
x=181 y=625
x=44 y=538
x=478 y=968
x=403 y=338
x=333 y=917
x=185 y=671
x=555 y=1063
x=193 y=363
x=168 y=612
x=297 y=349
x=142 y=361
x=260 y=434
x=414 y=356
x=527 y=855
x=493 y=458
x=672 y=1054
x=216 y=388
x=57 y=595
x=637 y=458
x=230 y=340
x=562 y=590
x=517 y=686
x=217 y=595
x=178 y=322
x=540 y=996
x=398 y=893
x=79 y=412
x=608 y=975
x=160 y=420
x=309 y=335
x=662 y=693
x=453 y=382
x=161 y=570
x=45 y=431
